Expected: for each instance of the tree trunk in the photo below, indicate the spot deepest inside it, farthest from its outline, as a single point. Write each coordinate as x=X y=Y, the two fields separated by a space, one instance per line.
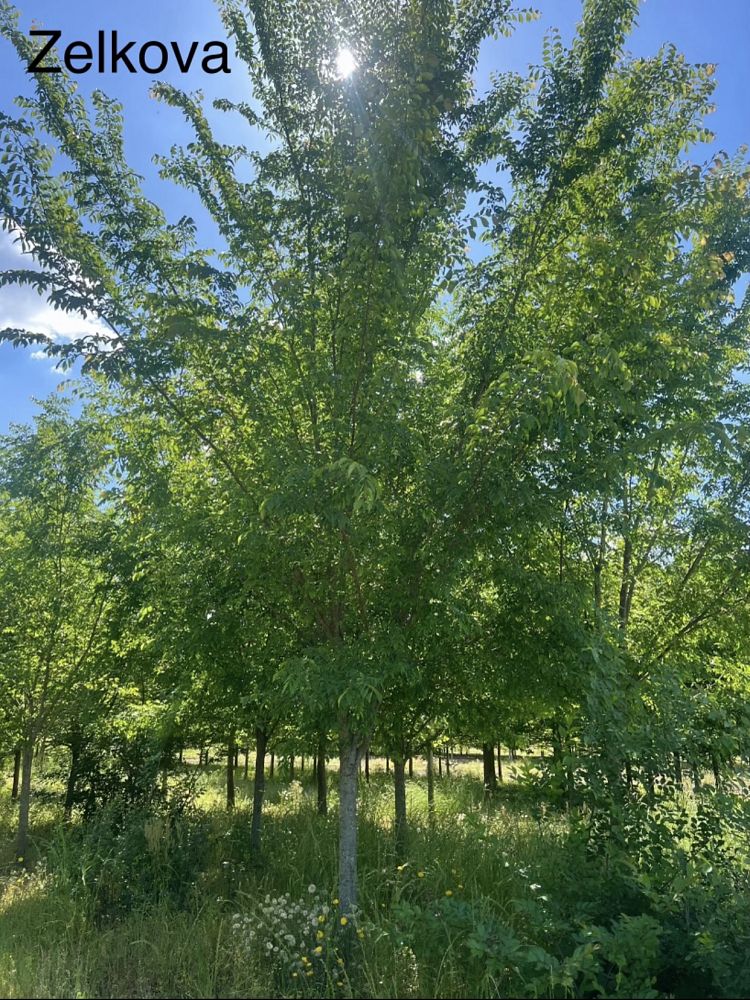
x=16 y=772
x=321 y=779
x=247 y=759
x=488 y=761
x=447 y=763
x=678 y=770
x=259 y=787
x=22 y=840
x=70 y=787
x=499 y=763
x=230 y=775
x=399 y=788
x=387 y=765
x=367 y=766
x=440 y=765
x=270 y=770
x=348 y=773
x=411 y=767
x=717 y=770
x=430 y=786
x=291 y=767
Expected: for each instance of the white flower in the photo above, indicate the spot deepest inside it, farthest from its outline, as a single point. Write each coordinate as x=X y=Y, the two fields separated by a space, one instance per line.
x=311 y=889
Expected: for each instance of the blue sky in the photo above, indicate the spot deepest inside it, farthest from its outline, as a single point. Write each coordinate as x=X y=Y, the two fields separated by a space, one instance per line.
x=704 y=31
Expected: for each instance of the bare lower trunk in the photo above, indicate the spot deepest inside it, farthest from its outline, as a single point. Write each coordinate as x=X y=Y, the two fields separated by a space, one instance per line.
x=246 y=752
x=411 y=767
x=717 y=770
x=22 y=840
x=230 y=774
x=399 y=788
x=488 y=761
x=678 y=770
x=430 y=786
x=259 y=788
x=270 y=771
x=70 y=787
x=16 y=772
x=348 y=773
x=367 y=765
x=321 y=779
x=500 y=763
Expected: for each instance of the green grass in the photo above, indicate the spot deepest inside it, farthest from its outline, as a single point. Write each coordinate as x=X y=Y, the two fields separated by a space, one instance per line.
x=138 y=906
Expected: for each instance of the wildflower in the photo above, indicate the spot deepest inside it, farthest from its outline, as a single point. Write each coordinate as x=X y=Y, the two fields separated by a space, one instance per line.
x=460 y=887
x=344 y=922
x=400 y=868
x=449 y=892
x=420 y=874
x=361 y=934
x=311 y=889
x=321 y=919
x=318 y=950
x=339 y=983
x=340 y=961
x=534 y=886
x=309 y=972
x=320 y=935
x=19 y=859
x=335 y=902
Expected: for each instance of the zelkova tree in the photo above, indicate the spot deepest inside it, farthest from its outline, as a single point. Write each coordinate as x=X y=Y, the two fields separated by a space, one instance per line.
x=297 y=357
x=56 y=581
x=374 y=447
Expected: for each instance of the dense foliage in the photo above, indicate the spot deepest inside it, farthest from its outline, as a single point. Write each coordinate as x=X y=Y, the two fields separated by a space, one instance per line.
x=341 y=486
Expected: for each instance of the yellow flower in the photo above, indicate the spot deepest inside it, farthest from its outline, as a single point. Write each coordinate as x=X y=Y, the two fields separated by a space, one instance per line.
x=320 y=935
x=19 y=859
x=420 y=874
x=344 y=921
x=339 y=983
x=318 y=950
x=361 y=935
x=449 y=892
x=340 y=961
x=309 y=973
x=335 y=902
x=460 y=887
x=400 y=868
x=294 y=975
x=321 y=919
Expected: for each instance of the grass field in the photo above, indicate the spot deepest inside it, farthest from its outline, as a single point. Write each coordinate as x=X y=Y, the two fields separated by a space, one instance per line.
x=503 y=900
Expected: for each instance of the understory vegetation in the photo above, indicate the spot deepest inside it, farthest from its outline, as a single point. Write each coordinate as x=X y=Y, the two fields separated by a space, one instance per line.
x=504 y=898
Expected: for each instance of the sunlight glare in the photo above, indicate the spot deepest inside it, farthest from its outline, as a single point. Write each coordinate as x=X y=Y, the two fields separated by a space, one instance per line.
x=345 y=63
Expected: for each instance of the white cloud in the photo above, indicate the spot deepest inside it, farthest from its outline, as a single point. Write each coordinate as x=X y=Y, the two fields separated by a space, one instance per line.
x=23 y=308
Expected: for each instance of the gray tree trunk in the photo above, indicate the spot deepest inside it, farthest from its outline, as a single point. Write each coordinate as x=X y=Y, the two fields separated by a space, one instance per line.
x=321 y=779
x=231 y=758
x=399 y=788
x=27 y=760
x=259 y=788
x=430 y=785
x=348 y=773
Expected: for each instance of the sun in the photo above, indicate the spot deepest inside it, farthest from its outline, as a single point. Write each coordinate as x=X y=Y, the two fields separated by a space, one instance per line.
x=345 y=63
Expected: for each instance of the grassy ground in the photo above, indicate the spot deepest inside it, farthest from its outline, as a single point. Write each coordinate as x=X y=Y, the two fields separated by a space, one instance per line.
x=155 y=905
